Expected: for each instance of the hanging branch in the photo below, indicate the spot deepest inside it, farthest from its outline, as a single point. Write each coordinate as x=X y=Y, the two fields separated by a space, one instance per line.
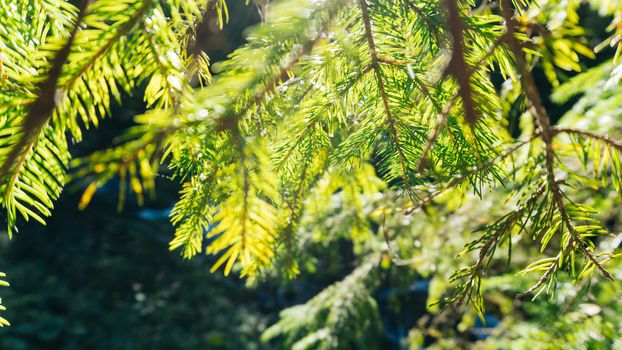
x=229 y=121
x=252 y=235
x=32 y=127
x=457 y=65
x=549 y=272
x=444 y=113
x=42 y=108
x=458 y=180
x=314 y=122
x=455 y=182
x=389 y=120
x=547 y=133
x=131 y=151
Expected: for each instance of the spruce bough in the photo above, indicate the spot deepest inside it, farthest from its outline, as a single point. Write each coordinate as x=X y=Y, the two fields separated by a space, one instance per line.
x=385 y=107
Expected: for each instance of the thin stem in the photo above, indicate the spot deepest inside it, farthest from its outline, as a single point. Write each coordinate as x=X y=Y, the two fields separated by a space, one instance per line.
x=390 y=121
x=547 y=133
x=549 y=272
x=587 y=134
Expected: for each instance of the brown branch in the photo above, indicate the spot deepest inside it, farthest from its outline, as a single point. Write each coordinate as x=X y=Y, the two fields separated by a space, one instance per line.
x=40 y=112
x=547 y=132
x=246 y=189
x=457 y=65
x=444 y=114
x=483 y=253
x=590 y=135
x=390 y=121
x=545 y=277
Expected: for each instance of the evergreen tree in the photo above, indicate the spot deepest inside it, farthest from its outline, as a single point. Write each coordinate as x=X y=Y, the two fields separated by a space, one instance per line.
x=336 y=117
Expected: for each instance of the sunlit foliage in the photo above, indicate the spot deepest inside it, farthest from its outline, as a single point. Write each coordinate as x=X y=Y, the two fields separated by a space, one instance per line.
x=357 y=114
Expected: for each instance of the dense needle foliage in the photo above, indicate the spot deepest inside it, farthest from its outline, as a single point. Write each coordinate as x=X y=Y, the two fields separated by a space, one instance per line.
x=337 y=119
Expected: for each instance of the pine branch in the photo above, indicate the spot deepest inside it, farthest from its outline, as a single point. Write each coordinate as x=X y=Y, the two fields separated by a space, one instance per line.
x=381 y=90
x=123 y=30
x=483 y=254
x=191 y=227
x=590 y=135
x=507 y=225
x=442 y=119
x=549 y=272
x=444 y=112
x=457 y=65
x=32 y=128
x=431 y=27
x=176 y=95
x=547 y=133
x=236 y=238
x=459 y=179
x=150 y=144
x=41 y=109
x=304 y=134
x=230 y=120
x=320 y=323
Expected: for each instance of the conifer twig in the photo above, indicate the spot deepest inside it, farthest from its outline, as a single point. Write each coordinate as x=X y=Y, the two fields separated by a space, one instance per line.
x=442 y=119
x=431 y=27
x=547 y=132
x=230 y=120
x=545 y=277
x=390 y=121
x=312 y=124
x=457 y=65
x=444 y=113
x=123 y=30
x=463 y=177
x=587 y=134
x=40 y=111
